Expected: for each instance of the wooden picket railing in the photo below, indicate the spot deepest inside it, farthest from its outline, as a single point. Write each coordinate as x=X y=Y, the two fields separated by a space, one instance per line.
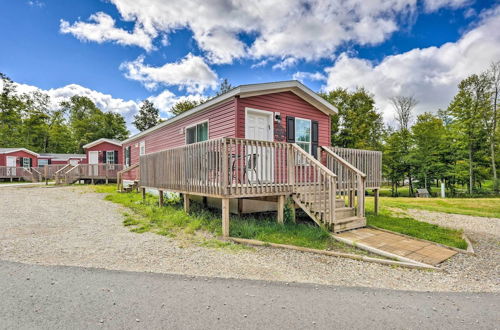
x=314 y=186
x=92 y=172
x=351 y=182
x=48 y=172
x=134 y=171
x=368 y=162
x=11 y=172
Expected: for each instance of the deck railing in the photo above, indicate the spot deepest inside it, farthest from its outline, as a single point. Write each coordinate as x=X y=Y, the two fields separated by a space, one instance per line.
x=14 y=172
x=133 y=172
x=368 y=162
x=48 y=172
x=351 y=182
x=93 y=172
x=220 y=167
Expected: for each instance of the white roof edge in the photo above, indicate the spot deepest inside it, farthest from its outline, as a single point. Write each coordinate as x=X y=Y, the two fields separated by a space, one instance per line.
x=20 y=149
x=242 y=89
x=96 y=142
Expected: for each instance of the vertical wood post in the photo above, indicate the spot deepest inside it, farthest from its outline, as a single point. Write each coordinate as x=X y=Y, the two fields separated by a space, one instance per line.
x=143 y=194
x=160 y=198
x=291 y=165
x=281 y=208
x=186 y=203
x=376 y=201
x=225 y=167
x=225 y=217
x=46 y=173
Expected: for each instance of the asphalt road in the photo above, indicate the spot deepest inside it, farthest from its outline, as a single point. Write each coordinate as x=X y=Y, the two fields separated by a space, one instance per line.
x=56 y=297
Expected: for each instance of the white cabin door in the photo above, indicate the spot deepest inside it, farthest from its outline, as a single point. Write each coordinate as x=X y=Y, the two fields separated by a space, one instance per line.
x=259 y=160
x=93 y=161
x=11 y=165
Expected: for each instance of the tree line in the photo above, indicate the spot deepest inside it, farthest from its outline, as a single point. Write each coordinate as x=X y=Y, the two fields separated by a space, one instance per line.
x=457 y=145
x=29 y=120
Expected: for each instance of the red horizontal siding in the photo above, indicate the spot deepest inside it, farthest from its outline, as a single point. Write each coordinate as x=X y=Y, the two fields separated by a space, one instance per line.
x=18 y=154
x=221 y=120
x=287 y=104
x=104 y=146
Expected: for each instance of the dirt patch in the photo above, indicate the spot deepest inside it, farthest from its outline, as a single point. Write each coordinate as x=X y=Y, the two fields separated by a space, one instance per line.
x=69 y=226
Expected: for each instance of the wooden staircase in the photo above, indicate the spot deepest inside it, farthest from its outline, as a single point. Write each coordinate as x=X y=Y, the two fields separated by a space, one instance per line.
x=332 y=201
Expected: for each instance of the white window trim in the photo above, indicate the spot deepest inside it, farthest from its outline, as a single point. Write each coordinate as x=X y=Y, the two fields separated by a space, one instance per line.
x=310 y=133
x=196 y=124
x=107 y=156
x=142 y=145
x=270 y=114
x=24 y=160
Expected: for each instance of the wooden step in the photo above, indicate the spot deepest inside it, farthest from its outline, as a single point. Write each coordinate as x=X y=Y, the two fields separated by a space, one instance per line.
x=348 y=224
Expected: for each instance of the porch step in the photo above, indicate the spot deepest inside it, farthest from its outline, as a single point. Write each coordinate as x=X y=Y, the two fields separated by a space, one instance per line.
x=348 y=224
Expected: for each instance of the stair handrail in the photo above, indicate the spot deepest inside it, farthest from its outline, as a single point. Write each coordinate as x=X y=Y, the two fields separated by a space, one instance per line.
x=38 y=172
x=56 y=174
x=326 y=204
x=119 y=175
x=360 y=181
x=67 y=172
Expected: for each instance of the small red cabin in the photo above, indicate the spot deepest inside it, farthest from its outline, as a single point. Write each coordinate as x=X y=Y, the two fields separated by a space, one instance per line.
x=280 y=111
x=60 y=159
x=18 y=157
x=103 y=151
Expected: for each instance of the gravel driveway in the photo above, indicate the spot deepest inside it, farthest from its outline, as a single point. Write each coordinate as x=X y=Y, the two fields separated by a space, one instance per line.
x=70 y=226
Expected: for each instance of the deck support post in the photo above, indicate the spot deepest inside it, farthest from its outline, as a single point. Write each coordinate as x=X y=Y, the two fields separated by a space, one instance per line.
x=91 y=181
x=225 y=217
x=160 y=197
x=107 y=181
x=186 y=203
x=376 y=193
x=281 y=208
x=143 y=194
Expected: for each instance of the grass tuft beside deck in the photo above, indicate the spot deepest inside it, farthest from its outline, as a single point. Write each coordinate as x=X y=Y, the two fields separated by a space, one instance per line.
x=171 y=220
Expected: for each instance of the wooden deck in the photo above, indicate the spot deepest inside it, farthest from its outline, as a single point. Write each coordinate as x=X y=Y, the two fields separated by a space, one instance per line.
x=19 y=173
x=330 y=191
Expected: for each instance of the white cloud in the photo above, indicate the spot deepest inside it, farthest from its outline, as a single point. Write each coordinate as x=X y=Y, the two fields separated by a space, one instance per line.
x=166 y=99
x=286 y=63
x=190 y=73
x=314 y=76
x=430 y=74
x=301 y=29
x=433 y=5
x=102 y=28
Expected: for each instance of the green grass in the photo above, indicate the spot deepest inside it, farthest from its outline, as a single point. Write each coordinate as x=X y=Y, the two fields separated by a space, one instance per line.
x=482 y=207
x=418 y=229
x=171 y=220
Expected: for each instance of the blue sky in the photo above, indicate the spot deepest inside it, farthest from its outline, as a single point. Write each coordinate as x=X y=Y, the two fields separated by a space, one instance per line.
x=120 y=52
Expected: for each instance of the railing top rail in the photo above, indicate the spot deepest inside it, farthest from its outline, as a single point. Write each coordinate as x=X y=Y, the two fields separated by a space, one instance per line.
x=312 y=159
x=353 y=149
x=71 y=170
x=344 y=162
x=62 y=168
x=130 y=168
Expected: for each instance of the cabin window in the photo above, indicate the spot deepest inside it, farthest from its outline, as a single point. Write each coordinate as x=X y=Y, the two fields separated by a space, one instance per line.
x=26 y=162
x=303 y=133
x=197 y=133
x=43 y=162
x=127 y=156
x=110 y=157
x=142 y=148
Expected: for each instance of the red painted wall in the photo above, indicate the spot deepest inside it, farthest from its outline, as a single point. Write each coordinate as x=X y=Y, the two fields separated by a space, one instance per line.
x=221 y=123
x=3 y=158
x=104 y=146
x=287 y=104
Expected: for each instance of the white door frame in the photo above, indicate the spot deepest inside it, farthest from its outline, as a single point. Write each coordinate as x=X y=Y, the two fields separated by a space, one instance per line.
x=270 y=115
x=265 y=174
x=12 y=168
x=93 y=170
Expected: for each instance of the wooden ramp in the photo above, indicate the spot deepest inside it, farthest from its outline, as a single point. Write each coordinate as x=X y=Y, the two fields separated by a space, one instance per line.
x=421 y=251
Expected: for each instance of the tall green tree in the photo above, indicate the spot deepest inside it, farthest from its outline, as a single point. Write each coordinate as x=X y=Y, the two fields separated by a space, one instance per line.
x=147 y=117
x=428 y=135
x=357 y=124
x=184 y=105
x=468 y=108
x=11 y=113
x=224 y=87
x=88 y=123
